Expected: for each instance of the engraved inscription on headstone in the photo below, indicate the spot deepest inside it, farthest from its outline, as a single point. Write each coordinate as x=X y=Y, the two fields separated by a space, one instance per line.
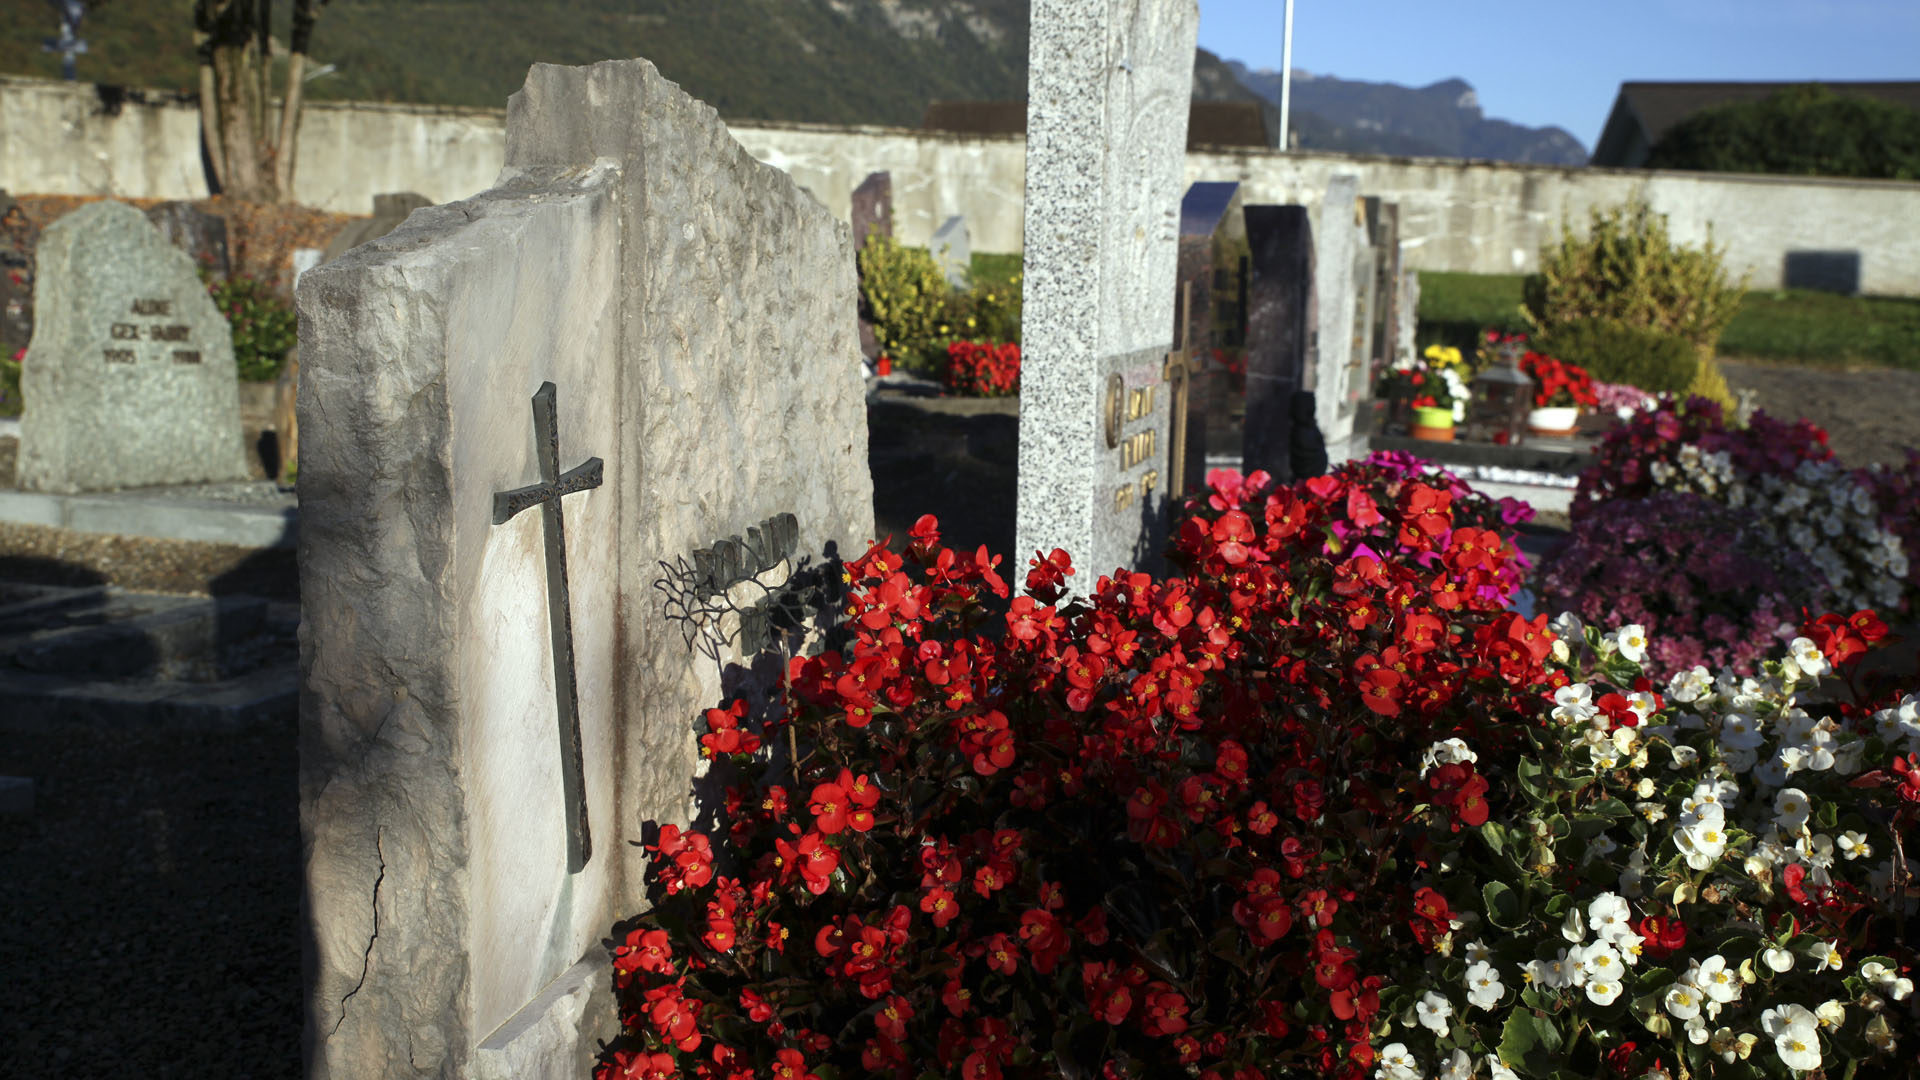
x=546 y=495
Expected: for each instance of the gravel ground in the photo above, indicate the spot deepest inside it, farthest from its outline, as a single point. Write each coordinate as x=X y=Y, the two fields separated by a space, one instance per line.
x=1869 y=414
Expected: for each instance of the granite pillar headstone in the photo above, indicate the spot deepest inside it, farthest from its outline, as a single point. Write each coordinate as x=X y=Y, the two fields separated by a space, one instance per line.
x=130 y=378
x=1406 y=317
x=196 y=232
x=1108 y=88
x=952 y=250
x=645 y=332
x=1282 y=330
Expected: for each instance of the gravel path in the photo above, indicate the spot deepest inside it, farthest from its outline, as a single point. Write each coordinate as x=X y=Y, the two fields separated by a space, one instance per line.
x=1870 y=414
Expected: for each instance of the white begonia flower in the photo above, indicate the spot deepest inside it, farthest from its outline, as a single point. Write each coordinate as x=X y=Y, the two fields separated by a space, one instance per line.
x=1459 y=1066
x=1475 y=952
x=1853 y=845
x=1716 y=980
x=1558 y=973
x=1728 y=1045
x=1599 y=847
x=1740 y=732
x=1683 y=1001
x=1397 y=1063
x=1600 y=960
x=1805 y=658
x=1432 y=1012
x=1886 y=980
x=1498 y=1070
x=1643 y=704
x=1880 y=1034
x=1796 y=1036
x=1603 y=992
x=1562 y=654
x=1778 y=959
x=1740 y=761
x=1483 y=985
x=1609 y=915
x=1573 y=927
x=1826 y=956
x=1684 y=756
x=1770 y=773
x=1791 y=809
x=1702 y=844
x=1573 y=704
x=1689 y=686
x=1631 y=640
x=1445 y=752
x=1830 y=1014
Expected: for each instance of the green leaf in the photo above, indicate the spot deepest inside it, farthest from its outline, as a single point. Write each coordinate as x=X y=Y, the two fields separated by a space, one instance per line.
x=1517 y=1038
x=1529 y=774
x=1503 y=907
x=1611 y=808
x=1491 y=835
x=1545 y=1035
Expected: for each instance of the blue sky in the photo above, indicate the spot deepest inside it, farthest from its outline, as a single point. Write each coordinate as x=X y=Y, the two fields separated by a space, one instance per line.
x=1560 y=62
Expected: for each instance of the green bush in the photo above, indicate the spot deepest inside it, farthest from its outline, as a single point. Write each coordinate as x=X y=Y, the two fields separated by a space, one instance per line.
x=1628 y=269
x=1803 y=131
x=264 y=327
x=1455 y=308
x=1614 y=352
x=10 y=399
x=904 y=295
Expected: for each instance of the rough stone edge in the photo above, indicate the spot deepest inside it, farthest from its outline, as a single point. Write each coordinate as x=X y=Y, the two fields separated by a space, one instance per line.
x=370 y=751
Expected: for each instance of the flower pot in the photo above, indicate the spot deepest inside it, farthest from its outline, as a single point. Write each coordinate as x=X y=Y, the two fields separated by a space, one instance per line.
x=1433 y=424
x=1554 y=421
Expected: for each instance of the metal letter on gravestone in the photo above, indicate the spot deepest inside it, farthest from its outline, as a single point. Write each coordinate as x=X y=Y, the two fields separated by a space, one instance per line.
x=546 y=495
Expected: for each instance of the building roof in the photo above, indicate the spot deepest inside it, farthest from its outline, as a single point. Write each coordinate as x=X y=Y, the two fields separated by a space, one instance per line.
x=1643 y=112
x=1209 y=123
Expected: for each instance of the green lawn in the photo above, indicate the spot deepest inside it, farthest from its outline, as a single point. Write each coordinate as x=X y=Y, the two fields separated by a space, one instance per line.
x=1792 y=326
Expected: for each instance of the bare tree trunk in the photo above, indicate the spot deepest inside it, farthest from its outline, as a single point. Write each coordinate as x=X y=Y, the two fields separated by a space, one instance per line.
x=252 y=150
x=305 y=14
x=210 y=112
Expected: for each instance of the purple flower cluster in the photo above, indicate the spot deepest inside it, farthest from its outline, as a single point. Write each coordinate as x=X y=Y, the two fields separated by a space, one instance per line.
x=1704 y=579
x=1620 y=399
x=1896 y=493
x=1622 y=466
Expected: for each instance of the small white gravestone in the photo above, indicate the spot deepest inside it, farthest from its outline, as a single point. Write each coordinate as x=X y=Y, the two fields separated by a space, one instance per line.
x=129 y=380
x=513 y=411
x=1342 y=293
x=1108 y=83
x=953 y=251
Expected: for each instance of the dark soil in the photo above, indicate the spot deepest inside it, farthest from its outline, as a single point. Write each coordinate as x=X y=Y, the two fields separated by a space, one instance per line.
x=153 y=906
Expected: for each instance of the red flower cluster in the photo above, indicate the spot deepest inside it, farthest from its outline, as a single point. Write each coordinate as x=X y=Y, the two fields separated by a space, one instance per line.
x=977 y=369
x=1157 y=829
x=1559 y=383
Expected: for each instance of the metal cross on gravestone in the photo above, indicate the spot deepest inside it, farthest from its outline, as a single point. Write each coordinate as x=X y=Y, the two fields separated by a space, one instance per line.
x=546 y=495
x=1178 y=374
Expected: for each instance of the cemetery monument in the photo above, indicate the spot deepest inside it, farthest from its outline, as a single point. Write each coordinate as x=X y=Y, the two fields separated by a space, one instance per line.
x=1107 y=104
x=520 y=415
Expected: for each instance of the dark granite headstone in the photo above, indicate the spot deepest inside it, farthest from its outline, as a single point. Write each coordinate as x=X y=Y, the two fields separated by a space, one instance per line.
x=1212 y=275
x=1282 y=317
x=873 y=207
x=1383 y=222
x=199 y=234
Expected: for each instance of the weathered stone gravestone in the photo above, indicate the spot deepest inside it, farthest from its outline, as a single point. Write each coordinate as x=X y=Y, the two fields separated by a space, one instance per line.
x=1383 y=231
x=130 y=379
x=1210 y=324
x=514 y=411
x=872 y=213
x=952 y=249
x=201 y=235
x=1282 y=331
x=873 y=207
x=1108 y=86
x=389 y=211
x=1344 y=279
x=1406 y=317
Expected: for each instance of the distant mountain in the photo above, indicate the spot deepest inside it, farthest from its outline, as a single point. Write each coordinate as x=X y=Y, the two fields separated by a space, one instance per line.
x=1441 y=120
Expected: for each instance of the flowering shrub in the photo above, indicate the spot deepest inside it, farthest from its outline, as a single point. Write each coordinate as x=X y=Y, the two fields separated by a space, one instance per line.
x=1699 y=878
x=264 y=327
x=1163 y=829
x=1896 y=491
x=1711 y=584
x=980 y=370
x=1557 y=383
x=1437 y=379
x=1803 y=498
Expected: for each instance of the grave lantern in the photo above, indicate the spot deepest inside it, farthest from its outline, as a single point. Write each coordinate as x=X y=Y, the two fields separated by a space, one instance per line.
x=1502 y=397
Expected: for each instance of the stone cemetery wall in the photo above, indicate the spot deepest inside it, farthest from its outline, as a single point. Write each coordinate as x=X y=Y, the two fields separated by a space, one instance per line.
x=129 y=380
x=1482 y=217
x=654 y=333
x=1108 y=84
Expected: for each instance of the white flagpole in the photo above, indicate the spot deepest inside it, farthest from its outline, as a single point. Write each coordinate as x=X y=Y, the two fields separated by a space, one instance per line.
x=1286 y=75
